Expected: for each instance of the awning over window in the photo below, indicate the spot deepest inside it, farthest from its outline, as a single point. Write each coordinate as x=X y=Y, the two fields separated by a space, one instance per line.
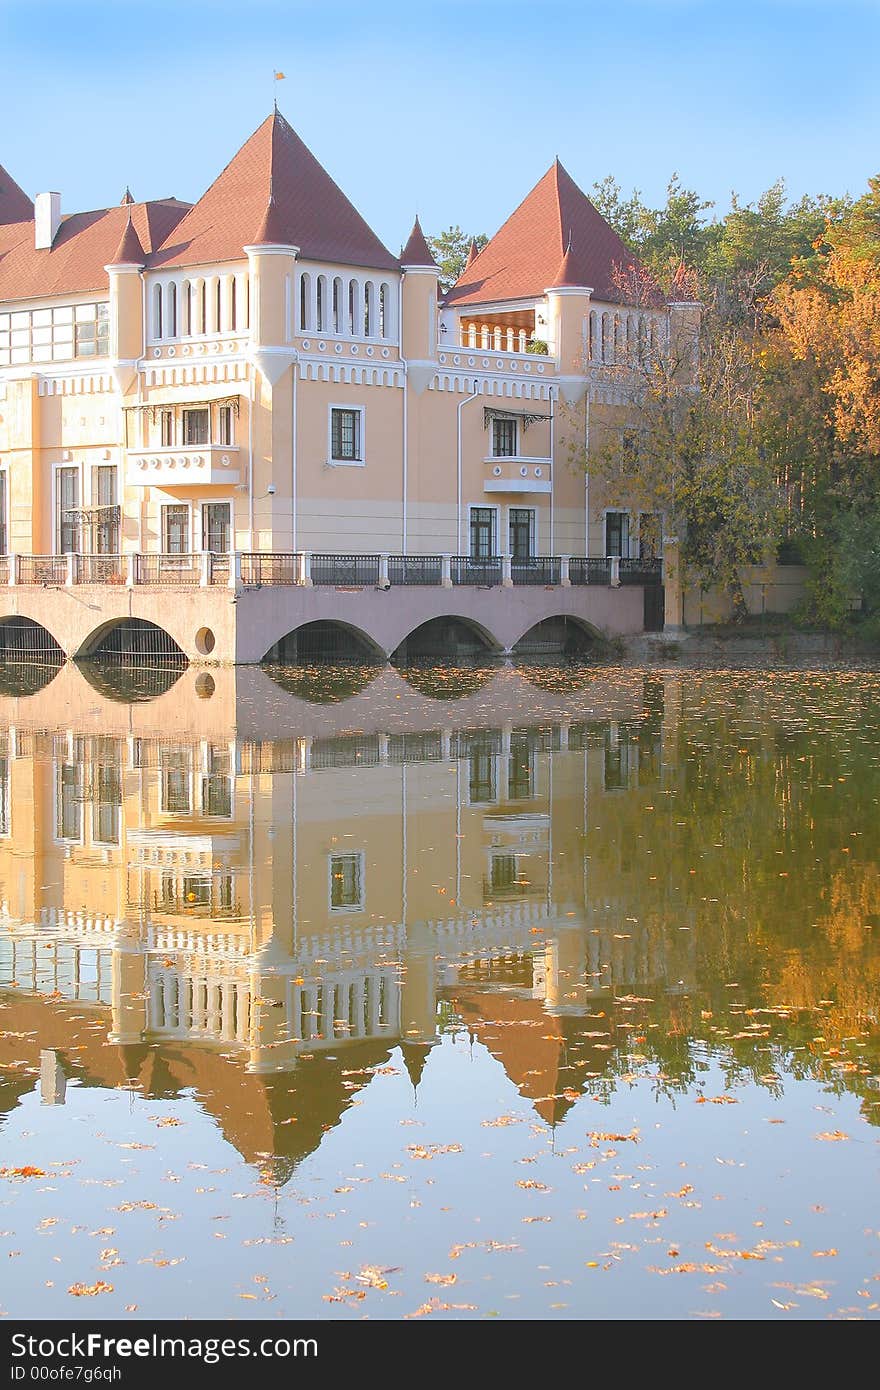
x=153 y=410
x=528 y=417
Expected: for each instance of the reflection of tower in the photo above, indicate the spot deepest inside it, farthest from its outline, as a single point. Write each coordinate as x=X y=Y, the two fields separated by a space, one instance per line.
x=53 y=1082
x=565 y=958
x=127 y=1000
x=418 y=1000
x=270 y=1044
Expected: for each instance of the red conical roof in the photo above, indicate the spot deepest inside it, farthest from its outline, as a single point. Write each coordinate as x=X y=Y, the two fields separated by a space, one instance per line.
x=417 y=251
x=129 y=250
x=472 y=254
x=523 y=258
x=126 y=197
x=311 y=211
x=272 y=231
x=569 y=275
x=15 y=205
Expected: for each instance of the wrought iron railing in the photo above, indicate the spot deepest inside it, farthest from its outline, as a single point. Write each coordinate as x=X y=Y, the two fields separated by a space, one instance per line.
x=269 y=567
x=98 y=569
x=345 y=569
x=465 y=569
x=415 y=569
x=537 y=569
x=596 y=570
x=218 y=568
x=42 y=569
x=641 y=571
x=176 y=570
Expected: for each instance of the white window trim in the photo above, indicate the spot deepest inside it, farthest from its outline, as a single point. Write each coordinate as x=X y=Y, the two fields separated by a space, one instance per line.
x=57 y=837
x=349 y=854
x=486 y=507
x=495 y=798
x=198 y=522
x=362 y=436
x=191 y=509
x=493 y=457
x=56 y=493
x=618 y=511
x=533 y=529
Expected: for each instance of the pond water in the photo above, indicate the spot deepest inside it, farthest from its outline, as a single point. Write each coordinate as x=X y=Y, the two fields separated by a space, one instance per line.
x=453 y=995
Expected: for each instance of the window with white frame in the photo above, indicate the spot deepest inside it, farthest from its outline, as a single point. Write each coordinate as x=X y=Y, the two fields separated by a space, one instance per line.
x=346 y=434
x=197 y=426
x=4 y=514
x=67 y=509
x=175 y=529
x=346 y=881
x=504 y=439
x=54 y=335
x=617 y=533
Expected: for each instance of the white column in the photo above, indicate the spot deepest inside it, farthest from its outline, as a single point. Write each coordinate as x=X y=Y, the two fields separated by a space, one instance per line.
x=564 y=576
x=212 y=321
x=313 y=303
x=446 y=571
x=12 y=575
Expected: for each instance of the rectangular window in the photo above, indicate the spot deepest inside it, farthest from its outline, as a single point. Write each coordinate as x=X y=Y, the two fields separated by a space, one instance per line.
x=104 y=510
x=67 y=509
x=69 y=802
x=107 y=805
x=522 y=530
x=346 y=881
x=196 y=427
x=4 y=512
x=503 y=873
x=345 y=435
x=175 y=790
x=166 y=424
x=482 y=533
x=617 y=533
x=54 y=335
x=91 y=330
x=482 y=778
x=503 y=438
x=4 y=796
x=216 y=527
x=225 y=424
x=175 y=529
x=216 y=796
x=520 y=772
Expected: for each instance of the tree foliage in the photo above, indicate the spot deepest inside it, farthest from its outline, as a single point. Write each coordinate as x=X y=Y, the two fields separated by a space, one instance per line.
x=450 y=250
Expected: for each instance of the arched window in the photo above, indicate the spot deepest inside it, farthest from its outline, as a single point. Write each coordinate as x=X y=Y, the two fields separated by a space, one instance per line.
x=352 y=319
x=368 y=309
x=186 y=308
x=337 y=305
x=172 y=309
x=247 y=302
x=607 y=340
x=157 y=311
x=304 y=305
x=202 y=308
x=383 y=311
x=218 y=299
x=321 y=303
x=233 y=303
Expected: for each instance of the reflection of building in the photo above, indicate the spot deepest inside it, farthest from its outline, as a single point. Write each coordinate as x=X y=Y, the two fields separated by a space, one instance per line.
x=226 y=909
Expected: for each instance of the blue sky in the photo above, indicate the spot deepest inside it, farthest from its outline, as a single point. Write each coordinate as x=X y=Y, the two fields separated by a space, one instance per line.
x=476 y=98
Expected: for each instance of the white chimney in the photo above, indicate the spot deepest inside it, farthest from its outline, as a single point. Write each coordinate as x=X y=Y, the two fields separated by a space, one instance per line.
x=47 y=219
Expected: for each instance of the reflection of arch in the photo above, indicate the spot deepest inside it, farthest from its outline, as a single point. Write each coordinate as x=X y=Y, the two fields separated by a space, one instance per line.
x=324 y=641
x=323 y=684
x=132 y=640
x=558 y=634
x=447 y=638
x=557 y=675
x=448 y=682
x=22 y=639
x=26 y=677
x=129 y=684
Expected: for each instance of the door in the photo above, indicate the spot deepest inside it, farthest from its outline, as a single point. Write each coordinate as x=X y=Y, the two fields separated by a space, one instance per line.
x=482 y=533
x=521 y=527
x=67 y=505
x=617 y=533
x=175 y=530
x=216 y=527
x=105 y=512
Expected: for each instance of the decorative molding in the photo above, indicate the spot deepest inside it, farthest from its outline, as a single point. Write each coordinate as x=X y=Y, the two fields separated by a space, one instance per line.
x=351 y=373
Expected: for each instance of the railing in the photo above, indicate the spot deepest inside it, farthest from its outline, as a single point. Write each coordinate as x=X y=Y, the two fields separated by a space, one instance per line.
x=271 y=567
x=538 y=569
x=596 y=570
x=177 y=570
x=345 y=569
x=641 y=571
x=484 y=572
x=42 y=569
x=99 y=569
x=303 y=568
x=415 y=569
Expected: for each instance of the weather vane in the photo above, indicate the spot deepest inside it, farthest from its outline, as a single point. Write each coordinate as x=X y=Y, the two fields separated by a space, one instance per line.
x=276 y=78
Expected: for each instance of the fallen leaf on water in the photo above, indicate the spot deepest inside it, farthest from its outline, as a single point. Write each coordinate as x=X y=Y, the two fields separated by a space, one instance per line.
x=833 y=1136
x=90 y=1290
x=440 y=1278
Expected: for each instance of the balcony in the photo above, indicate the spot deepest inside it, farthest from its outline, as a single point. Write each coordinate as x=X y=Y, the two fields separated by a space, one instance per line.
x=517 y=474
x=196 y=465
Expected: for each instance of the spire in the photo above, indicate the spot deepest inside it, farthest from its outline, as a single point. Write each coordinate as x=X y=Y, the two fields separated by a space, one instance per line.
x=568 y=276
x=272 y=231
x=126 y=197
x=415 y=1055
x=129 y=251
x=473 y=253
x=417 y=251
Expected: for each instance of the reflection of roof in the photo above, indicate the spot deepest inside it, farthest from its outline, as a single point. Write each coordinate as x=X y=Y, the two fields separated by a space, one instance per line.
x=283 y=1114
x=539 y=1052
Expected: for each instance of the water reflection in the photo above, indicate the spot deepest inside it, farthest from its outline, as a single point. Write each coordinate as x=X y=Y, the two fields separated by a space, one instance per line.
x=682 y=880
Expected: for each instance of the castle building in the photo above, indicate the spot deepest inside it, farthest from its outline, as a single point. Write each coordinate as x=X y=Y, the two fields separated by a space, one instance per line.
x=257 y=372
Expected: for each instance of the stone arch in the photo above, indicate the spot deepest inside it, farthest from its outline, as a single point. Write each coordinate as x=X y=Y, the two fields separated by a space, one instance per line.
x=323 y=640
x=131 y=640
x=25 y=640
x=557 y=634
x=448 y=636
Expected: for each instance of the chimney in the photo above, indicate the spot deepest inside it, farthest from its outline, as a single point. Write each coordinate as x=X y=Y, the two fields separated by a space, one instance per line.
x=47 y=219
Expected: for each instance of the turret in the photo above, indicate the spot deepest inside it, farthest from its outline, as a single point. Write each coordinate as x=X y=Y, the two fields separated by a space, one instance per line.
x=421 y=279
x=568 y=306
x=126 y=308
x=271 y=257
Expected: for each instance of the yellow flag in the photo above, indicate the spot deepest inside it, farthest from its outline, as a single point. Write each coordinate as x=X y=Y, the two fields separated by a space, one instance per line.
x=279 y=77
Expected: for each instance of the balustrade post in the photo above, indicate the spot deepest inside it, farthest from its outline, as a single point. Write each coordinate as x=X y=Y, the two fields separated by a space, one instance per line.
x=305 y=569
x=564 y=574
x=12 y=575
x=384 y=580
x=234 y=580
x=506 y=572
x=204 y=569
x=614 y=579
x=131 y=569
x=446 y=571
x=69 y=570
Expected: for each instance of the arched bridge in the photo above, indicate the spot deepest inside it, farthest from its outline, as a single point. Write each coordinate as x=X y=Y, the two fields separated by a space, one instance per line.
x=246 y=608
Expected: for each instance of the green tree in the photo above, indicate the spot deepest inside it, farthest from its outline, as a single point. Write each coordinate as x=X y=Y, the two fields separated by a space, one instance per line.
x=450 y=250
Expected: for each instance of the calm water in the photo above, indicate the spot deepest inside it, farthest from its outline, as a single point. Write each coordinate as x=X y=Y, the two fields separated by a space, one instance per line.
x=449 y=994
